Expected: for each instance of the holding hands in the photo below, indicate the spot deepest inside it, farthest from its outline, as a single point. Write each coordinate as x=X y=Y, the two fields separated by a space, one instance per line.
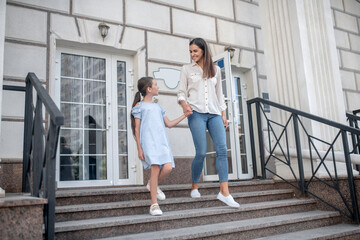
x=187 y=110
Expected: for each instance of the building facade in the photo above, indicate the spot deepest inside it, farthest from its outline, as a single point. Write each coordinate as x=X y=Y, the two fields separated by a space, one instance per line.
x=301 y=53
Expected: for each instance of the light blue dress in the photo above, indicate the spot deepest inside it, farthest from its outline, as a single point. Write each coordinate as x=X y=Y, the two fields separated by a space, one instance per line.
x=153 y=137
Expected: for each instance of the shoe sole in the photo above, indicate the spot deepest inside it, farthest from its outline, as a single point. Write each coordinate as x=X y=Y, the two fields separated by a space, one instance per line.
x=155 y=214
x=195 y=196
x=228 y=204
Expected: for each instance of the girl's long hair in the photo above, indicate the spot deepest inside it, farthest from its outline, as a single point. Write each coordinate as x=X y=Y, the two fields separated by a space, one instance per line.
x=209 y=67
x=143 y=84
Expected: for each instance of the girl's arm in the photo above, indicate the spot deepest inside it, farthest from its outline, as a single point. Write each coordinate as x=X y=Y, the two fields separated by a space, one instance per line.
x=137 y=138
x=173 y=123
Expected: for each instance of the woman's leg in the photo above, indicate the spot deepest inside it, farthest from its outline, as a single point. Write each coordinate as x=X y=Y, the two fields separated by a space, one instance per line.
x=197 y=125
x=218 y=135
x=154 y=175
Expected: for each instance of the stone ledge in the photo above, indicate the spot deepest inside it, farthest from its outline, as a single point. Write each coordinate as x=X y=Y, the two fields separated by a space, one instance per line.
x=21 y=216
x=20 y=200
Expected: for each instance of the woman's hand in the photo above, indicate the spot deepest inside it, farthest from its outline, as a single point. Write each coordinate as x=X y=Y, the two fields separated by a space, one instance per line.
x=225 y=121
x=141 y=154
x=187 y=109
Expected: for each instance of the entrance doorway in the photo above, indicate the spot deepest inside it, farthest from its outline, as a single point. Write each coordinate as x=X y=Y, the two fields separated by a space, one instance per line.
x=94 y=95
x=237 y=137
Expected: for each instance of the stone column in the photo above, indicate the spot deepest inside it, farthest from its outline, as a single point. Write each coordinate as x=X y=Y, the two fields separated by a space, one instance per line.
x=301 y=62
x=2 y=42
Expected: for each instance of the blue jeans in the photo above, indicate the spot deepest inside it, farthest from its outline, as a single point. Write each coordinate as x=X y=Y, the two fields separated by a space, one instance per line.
x=198 y=123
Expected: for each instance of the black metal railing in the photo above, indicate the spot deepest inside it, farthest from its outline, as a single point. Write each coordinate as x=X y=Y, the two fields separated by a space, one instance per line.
x=41 y=134
x=354 y=121
x=288 y=143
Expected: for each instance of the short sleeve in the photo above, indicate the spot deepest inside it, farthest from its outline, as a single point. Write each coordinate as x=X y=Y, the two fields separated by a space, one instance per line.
x=136 y=112
x=162 y=112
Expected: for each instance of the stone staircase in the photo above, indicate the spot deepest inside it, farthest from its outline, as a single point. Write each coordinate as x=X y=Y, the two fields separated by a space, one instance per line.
x=123 y=213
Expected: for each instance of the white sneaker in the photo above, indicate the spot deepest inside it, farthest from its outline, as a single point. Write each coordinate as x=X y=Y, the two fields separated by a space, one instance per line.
x=195 y=193
x=228 y=200
x=159 y=194
x=155 y=210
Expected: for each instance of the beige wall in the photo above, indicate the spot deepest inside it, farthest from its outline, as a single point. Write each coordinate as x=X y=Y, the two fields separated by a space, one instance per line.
x=155 y=34
x=346 y=16
x=2 y=39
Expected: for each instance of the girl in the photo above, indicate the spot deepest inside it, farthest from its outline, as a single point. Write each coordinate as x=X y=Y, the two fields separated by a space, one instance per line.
x=200 y=92
x=148 y=123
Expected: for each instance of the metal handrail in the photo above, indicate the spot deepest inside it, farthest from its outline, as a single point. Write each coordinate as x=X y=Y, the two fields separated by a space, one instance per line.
x=354 y=121
x=282 y=151
x=40 y=147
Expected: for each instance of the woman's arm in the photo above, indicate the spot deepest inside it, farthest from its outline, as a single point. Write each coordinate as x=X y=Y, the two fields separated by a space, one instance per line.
x=183 y=86
x=225 y=121
x=219 y=90
x=137 y=138
x=173 y=123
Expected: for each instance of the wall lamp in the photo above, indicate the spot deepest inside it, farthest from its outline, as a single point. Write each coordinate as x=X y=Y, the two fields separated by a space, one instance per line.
x=231 y=50
x=104 y=29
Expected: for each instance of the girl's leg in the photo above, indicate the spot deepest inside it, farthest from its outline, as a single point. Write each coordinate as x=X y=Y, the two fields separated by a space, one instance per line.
x=154 y=175
x=165 y=170
x=197 y=125
x=218 y=136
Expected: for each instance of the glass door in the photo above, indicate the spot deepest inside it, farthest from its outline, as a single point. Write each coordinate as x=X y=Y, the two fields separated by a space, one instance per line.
x=210 y=173
x=92 y=95
x=241 y=126
x=124 y=168
x=235 y=93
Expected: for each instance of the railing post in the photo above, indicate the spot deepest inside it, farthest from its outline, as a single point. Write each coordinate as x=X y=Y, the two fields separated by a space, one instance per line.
x=49 y=181
x=252 y=140
x=28 y=127
x=353 y=139
x=38 y=146
x=299 y=154
x=261 y=144
x=350 y=177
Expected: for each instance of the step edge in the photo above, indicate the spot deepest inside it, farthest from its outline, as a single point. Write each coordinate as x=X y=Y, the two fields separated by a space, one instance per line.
x=141 y=188
x=203 y=230
x=340 y=233
x=142 y=218
x=144 y=202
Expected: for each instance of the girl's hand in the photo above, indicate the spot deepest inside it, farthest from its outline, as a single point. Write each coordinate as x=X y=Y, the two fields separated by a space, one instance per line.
x=187 y=109
x=187 y=114
x=141 y=155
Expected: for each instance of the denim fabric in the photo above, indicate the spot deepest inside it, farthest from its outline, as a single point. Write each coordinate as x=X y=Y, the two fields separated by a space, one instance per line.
x=198 y=123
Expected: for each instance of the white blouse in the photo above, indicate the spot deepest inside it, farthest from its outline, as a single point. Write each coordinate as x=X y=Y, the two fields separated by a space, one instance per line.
x=204 y=95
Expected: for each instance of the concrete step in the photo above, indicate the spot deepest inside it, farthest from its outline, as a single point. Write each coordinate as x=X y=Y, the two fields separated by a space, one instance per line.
x=243 y=229
x=108 y=209
x=117 y=194
x=129 y=224
x=338 y=231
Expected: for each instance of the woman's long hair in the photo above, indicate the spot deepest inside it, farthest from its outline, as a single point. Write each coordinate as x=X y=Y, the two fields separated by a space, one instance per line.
x=142 y=85
x=209 y=68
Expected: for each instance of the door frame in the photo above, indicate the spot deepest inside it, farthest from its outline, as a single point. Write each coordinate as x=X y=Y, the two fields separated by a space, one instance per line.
x=229 y=86
x=244 y=97
x=111 y=117
x=230 y=74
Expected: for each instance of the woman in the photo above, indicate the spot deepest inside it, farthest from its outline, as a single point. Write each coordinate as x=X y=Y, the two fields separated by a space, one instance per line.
x=200 y=92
